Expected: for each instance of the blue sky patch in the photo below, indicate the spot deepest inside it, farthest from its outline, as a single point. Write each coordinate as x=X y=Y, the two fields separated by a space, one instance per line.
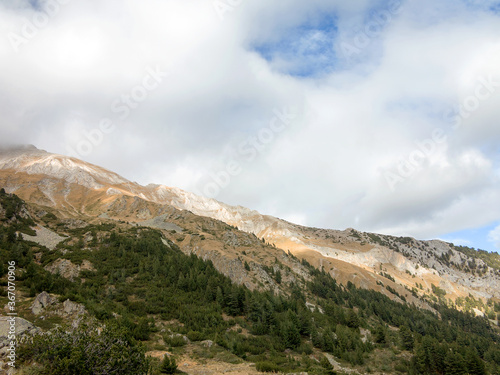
x=35 y=4
x=315 y=47
x=476 y=238
x=306 y=50
x=495 y=8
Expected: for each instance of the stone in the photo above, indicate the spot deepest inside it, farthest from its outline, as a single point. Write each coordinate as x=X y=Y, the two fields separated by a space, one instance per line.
x=70 y=307
x=67 y=269
x=207 y=343
x=23 y=328
x=42 y=301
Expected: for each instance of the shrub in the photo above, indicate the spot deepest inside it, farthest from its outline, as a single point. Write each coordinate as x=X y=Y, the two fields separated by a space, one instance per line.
x=195 y=336
x=305 y=348
x=174 y=341
x=168 y=365
x=267 y=366
x=85 y=352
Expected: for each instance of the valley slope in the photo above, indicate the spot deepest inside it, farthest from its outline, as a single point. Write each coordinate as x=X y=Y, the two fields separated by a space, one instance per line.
x=410 y=268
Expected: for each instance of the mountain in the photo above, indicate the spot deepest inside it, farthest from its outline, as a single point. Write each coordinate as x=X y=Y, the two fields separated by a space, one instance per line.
x=75 y=187
x=156 y=272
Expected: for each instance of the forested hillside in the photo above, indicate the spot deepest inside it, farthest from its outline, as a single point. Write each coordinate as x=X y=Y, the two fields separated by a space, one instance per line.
x=148 y=295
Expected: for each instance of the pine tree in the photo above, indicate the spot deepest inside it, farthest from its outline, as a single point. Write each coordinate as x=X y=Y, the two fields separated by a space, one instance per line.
x=379 y=334
x=277 y=276
x=352 y=320
x=219 y=297
x=168 y=366
x=406 y=337
x=291 y=335
x=475 y=366
x=325 y=363
x=455 y=364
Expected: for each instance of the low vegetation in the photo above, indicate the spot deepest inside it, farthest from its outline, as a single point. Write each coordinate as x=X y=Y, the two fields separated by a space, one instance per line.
x=142 y=280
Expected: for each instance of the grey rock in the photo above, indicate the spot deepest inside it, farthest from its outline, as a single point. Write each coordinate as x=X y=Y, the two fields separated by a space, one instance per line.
x=44 y=237
x=41 y=302
x=67 y=269
x=22 y=326
x=207 y=343
x=70 y=307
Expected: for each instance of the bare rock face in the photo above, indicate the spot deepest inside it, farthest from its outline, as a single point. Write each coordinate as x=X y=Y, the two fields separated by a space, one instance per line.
x=68 y=269
x=207 y=343
x=70 y=307
x=45 y=237
x=22 y=328
x=87 y=266
x=65 y=268
x=42 y=301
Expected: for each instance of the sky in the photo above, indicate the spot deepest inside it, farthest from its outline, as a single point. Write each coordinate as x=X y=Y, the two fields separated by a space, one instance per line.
x=377 y=115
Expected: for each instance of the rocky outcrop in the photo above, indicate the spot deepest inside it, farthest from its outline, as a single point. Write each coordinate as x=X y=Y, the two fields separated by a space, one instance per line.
x=77 y=186
x=46 y=305
x=68 y=269
x=45 y=237
x=160 y=222
x=70 y=308
x=8 y=326
x=22 y=328
x=42 y=301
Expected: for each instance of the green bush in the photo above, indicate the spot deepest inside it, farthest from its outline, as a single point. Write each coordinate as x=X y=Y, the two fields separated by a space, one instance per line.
x=168 y=365
x=86 y=352
x=305 y=348
x=401 y=367
x=267 y=366
x=174 y=341
x=195 y=336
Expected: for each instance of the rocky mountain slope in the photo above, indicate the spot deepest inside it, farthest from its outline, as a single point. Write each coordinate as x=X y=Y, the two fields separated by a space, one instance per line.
x=221 y=289
x=411 y=268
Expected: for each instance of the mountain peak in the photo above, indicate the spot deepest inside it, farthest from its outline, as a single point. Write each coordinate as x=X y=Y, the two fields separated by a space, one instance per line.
x=18 y=148
x=31 y=160
x=55 y=180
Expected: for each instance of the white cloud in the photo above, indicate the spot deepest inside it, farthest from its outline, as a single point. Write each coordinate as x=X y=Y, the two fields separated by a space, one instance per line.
x=326 y=168
x=494 y=237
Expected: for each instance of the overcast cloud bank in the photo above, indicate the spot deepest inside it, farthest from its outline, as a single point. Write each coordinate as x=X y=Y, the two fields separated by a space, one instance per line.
x=396 y=103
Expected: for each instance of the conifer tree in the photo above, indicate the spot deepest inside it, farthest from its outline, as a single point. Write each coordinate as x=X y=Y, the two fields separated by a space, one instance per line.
x=168 y=365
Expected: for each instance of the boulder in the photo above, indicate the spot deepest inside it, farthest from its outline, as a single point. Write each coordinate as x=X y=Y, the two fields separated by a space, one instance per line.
x=22 y=327
x=207 y=343
x=41 y=302
x=65 y=268
x=70 y=307
x=68 y=269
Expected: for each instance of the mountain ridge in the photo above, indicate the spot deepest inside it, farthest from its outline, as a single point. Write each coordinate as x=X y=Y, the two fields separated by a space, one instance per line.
x=76 y=186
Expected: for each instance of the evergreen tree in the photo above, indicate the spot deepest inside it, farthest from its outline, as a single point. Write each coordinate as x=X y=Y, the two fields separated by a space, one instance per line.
x=290 y=334
x=475 y=366
x=406 y=338
x=220 y=297
x=352 y=320
x=455 y=364
x=277 y=276
x=379 y=334
x=168 y=365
